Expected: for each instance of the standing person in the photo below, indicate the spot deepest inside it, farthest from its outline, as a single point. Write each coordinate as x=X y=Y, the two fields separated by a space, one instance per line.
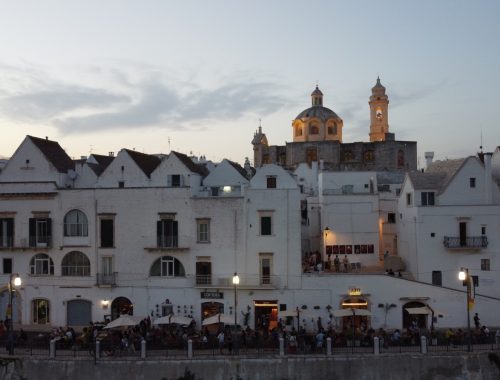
x=220 y=339
x=336 y=263
x=345 y=261
x=476 y=321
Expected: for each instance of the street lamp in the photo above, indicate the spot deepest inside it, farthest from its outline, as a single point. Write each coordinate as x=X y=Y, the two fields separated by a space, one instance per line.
x=463 y=276
x=14 y=280
x=236 y=282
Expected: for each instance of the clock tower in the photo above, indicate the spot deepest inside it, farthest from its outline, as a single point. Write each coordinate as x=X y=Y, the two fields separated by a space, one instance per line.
x=379 y=106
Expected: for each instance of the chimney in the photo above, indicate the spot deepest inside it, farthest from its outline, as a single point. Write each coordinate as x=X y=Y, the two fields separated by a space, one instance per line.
x=488 y=181
x=111 y=154
x=429 y=156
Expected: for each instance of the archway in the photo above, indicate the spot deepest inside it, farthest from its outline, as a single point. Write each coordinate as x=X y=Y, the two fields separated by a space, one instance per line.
x=120 y=306
x=417 y=314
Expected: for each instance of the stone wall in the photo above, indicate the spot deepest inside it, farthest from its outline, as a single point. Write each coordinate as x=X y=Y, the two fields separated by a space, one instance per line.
x=484 y=366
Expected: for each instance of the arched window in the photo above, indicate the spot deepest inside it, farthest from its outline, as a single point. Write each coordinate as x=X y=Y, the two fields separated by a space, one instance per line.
x=313 y=129
x=348 y=156
x=332 y=129
x=401 y=159
x=369 y=155
x=167 y=266
x=41 y=264
x=75 y=224
x=298 y=131
x=75 y=264
x=41 y=311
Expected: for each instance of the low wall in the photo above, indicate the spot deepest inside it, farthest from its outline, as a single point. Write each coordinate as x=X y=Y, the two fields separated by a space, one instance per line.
x=484 y=366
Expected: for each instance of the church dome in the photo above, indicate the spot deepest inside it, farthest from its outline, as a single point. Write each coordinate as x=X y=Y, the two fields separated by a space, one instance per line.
x=319 y=112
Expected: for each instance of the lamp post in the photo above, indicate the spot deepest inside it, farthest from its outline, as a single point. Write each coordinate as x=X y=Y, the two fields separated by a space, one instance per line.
x=236 y=282
x=14 y=280
x=463 y=276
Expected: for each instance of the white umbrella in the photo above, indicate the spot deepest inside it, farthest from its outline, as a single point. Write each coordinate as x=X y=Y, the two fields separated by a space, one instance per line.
x=171 y=319
x=295 y=313
x=351 y=312
x=218 y=318
x=124 y=321
x=418 y=310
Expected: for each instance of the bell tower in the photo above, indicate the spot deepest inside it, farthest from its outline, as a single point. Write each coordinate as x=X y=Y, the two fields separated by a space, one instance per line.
x=379 y=117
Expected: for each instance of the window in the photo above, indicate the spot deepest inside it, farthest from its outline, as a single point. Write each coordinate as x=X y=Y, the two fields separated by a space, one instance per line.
x=6 y=232
x=41 y=311
x=409 y=200
x=107 y=265
x=369 y=155
x=332 y=129
x=107 y=232
x=298 y=131
x=437 y=278
x=265 y=269
x=311 y=155
x=75 y=224
x=483 y=230
x=485 y=264
x=472 y=182
x=401 y=159
x=41 y=264
x=427 y=198
x=391 y=217
x=7 y=266
x=271 y=182
x=203 y=273
x=348 y=156
x=167 y=266
x=121 y=184
x=175 y=180
x=40 y=230
x=266 y=222
x=313 y=129
x=75 y=264
x=167 y=233
x=203 y=230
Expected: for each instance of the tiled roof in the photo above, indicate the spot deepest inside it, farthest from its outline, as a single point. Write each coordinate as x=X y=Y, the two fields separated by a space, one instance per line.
x=54 y=153
x=319 y=112
x=438 y=174
x=195 y=168
x=102 y=163
x=239 y=168
x=146 y=162
x=427 y=181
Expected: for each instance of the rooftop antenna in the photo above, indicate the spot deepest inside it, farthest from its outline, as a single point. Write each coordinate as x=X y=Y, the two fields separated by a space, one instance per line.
x=91 y=147
x=169 y=145
x=481 y=146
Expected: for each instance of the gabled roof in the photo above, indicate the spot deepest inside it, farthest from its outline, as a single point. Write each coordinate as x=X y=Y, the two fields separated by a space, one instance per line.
x=146 y=162
x=102 y=163
x=238 y=168
x=195 y=168
x=54 y=153
x=438 y=174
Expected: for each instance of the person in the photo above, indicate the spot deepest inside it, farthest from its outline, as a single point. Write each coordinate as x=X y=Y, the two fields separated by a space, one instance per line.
x=345 y=261
x=336 y=263
x=391 y=272
x=476 y=320
x=220 y=339
x=386 y=254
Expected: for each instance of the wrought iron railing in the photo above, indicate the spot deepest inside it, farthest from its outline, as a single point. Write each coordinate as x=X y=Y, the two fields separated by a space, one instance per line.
x=465 y=242
x=106 y=279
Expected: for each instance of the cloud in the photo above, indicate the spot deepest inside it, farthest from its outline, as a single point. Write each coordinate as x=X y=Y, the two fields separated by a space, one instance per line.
x=404 y=98
x=135 y=99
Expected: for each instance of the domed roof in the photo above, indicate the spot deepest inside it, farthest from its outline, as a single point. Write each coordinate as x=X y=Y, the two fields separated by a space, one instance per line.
x=319 y=112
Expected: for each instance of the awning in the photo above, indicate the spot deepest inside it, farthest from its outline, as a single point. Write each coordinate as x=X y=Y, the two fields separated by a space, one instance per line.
x=351 y=312
x=418 y=310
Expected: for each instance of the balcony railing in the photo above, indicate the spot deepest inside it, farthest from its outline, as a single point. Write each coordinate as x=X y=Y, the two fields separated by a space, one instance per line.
x=246 y=282
x=470 y=242
x=106 y=279
x=167 y=241
x=41 y=241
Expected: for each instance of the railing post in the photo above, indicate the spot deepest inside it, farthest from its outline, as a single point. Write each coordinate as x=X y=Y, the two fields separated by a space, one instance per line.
x=328 y=346
x=423 y=344
x=52 y=348
x=282 y=346
x=190 y=348
x=376 y=345
x=143 y=349
x=97 y=349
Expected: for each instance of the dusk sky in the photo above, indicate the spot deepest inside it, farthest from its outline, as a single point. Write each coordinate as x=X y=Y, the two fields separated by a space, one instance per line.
x=98 y=76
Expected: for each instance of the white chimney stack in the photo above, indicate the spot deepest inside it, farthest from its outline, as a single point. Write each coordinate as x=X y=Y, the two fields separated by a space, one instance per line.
x=429 y=156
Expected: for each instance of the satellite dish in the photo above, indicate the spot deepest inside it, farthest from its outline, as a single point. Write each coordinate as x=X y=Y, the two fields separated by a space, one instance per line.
x=71 y=174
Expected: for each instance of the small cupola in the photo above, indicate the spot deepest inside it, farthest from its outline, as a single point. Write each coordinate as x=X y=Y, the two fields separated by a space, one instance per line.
x=317 y=97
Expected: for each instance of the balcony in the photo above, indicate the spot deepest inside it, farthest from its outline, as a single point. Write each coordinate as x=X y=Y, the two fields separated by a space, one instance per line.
x=106 y=279
x=246 y=282
x=470 y=242
x=40 y=241
x=167 y=243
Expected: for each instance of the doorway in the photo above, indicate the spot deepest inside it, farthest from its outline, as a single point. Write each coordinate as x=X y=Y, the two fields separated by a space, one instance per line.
x=266 y=315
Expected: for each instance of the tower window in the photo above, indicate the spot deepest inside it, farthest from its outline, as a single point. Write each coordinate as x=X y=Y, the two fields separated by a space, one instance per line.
x=348 y=156
x=472 y=182
x=298 y=131
x=313 y=130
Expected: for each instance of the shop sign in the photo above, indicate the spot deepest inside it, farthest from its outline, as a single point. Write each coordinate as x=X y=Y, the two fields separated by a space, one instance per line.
x=355 y=291
x=216 y=295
